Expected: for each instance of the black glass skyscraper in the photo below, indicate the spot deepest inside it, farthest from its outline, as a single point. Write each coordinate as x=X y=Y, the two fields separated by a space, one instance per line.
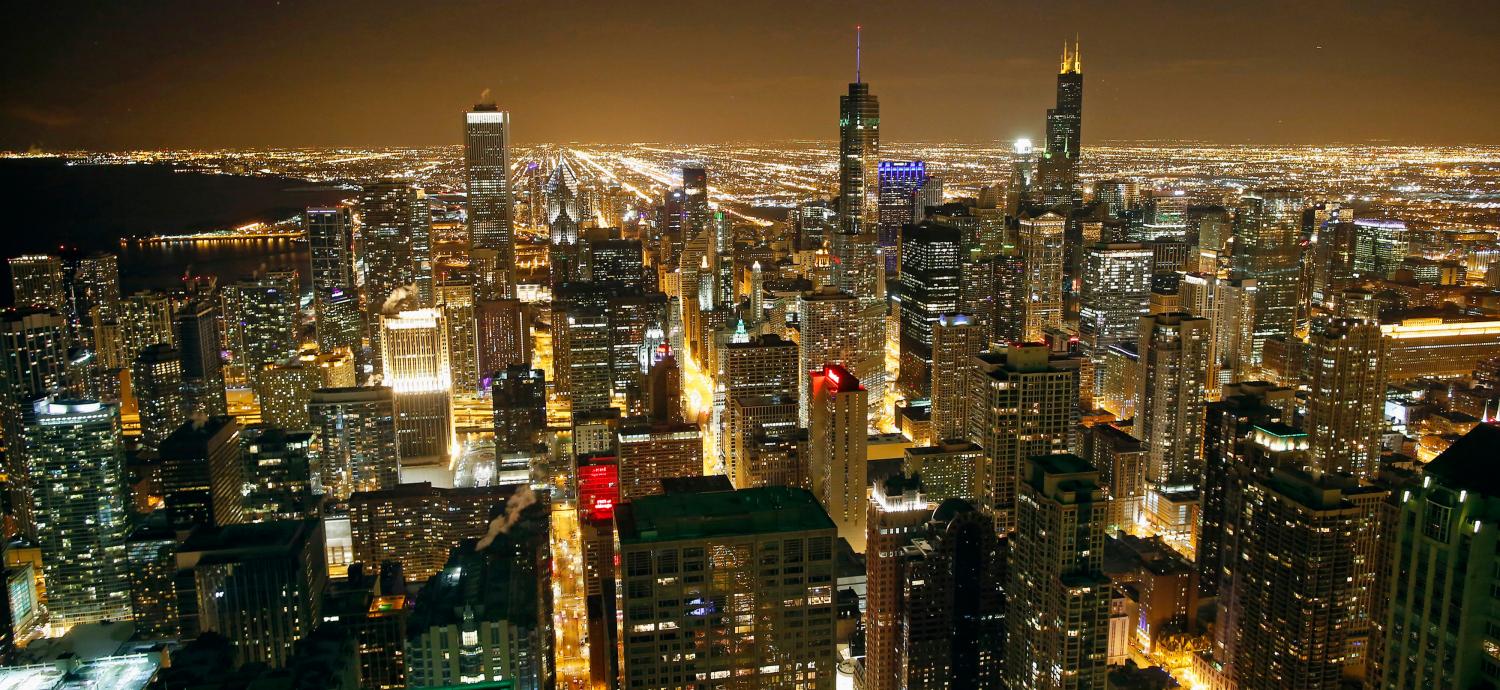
x=1059 y=169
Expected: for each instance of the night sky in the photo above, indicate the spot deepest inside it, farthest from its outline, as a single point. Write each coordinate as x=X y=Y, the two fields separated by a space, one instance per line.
x=112 y=75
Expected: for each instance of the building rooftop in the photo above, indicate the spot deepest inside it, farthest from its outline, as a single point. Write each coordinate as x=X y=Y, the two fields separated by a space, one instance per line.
x=696 y=485
x=1470 y=462
x=129 y=672
x=761 y=510
x=248 y=541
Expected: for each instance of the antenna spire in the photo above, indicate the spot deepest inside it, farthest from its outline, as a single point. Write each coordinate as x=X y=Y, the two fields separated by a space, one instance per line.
x=857 y=30
x=1064 y=68
x=1077 y=54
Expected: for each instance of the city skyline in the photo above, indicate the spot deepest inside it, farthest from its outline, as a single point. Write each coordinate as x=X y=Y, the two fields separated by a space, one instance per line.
x=846 y=412
x=173 y=76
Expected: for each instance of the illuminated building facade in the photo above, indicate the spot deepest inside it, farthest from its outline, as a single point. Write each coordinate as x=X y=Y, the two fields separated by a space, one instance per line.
x=1041 y=242
x=949 y=469
x=503 y=337
x=953 y=605
x=284 y=389
x=1438 y=347
x=649 y=453
x=414 y=348
x=956 y=339
x=145 y=319
x=488 y=615
x=1020 y=406
x=776 y=632
x=490 y=205
x=838 y=435
x=1169 y=417
x=1121 y=461
x=930 y=273
x=279 y=482
x=330 y=240
x=1058 y=608
x=1290 y=591
x=1346 y=396
x=519 y=395
x=1267 y=232
x=37 y=281
x=1448 y=527
x=74 y=469
x=1058 y=173
x=417 y=524
x=455 y=297
x=156 y=382
x=897 y=510
x=824 y=337
x=261 y=316
x=357 y=446
x=898 y=185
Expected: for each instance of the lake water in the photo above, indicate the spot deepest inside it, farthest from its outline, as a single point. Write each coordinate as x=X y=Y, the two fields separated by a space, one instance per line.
x=51 y=207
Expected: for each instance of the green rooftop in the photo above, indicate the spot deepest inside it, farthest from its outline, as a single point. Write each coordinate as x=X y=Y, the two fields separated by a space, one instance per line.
x=761 y=510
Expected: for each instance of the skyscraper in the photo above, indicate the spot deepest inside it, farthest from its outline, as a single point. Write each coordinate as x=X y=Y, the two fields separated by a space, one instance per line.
x=283 y=389
x=1169 y=418
x=930 y=274
x=824 y=337
x=260 y=317
x=330 y=239
x=857 y=240
x=897 y=508
x=37 y=281
x=455 y=297
x=953 y=614
x=1346 y=396
x=503 y=338
x=859 y=155
x=955 y=341
x=33 y=353
x=259 y=585
x=838 y=434
x=1041 y=242
x=418 y=524
x=490 y=205
x=1020 y=405
x=519 y=395
x=649 y=453
x=785 y=646
x=156 y=382
x=145 y=319
x=74 y=470
x=898 y=185
x=1058 y=610
x=1287 y=607
x=1059 y=165
x=416 y=366
x=203 y=473
x=357 y=444
x=1267 y=231
x=1438 y=607
x=202 y=370
x=388 y=214
x=340 y=322
x=279 y=482
x=1115 y=289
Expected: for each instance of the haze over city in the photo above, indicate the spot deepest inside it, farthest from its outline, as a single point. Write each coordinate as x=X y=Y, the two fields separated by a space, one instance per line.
x=182 y=74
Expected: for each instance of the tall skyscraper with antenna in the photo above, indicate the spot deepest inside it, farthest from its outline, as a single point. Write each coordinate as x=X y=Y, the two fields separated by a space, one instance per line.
x=859 y=191
x=487 y=173
x=1059 y=164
